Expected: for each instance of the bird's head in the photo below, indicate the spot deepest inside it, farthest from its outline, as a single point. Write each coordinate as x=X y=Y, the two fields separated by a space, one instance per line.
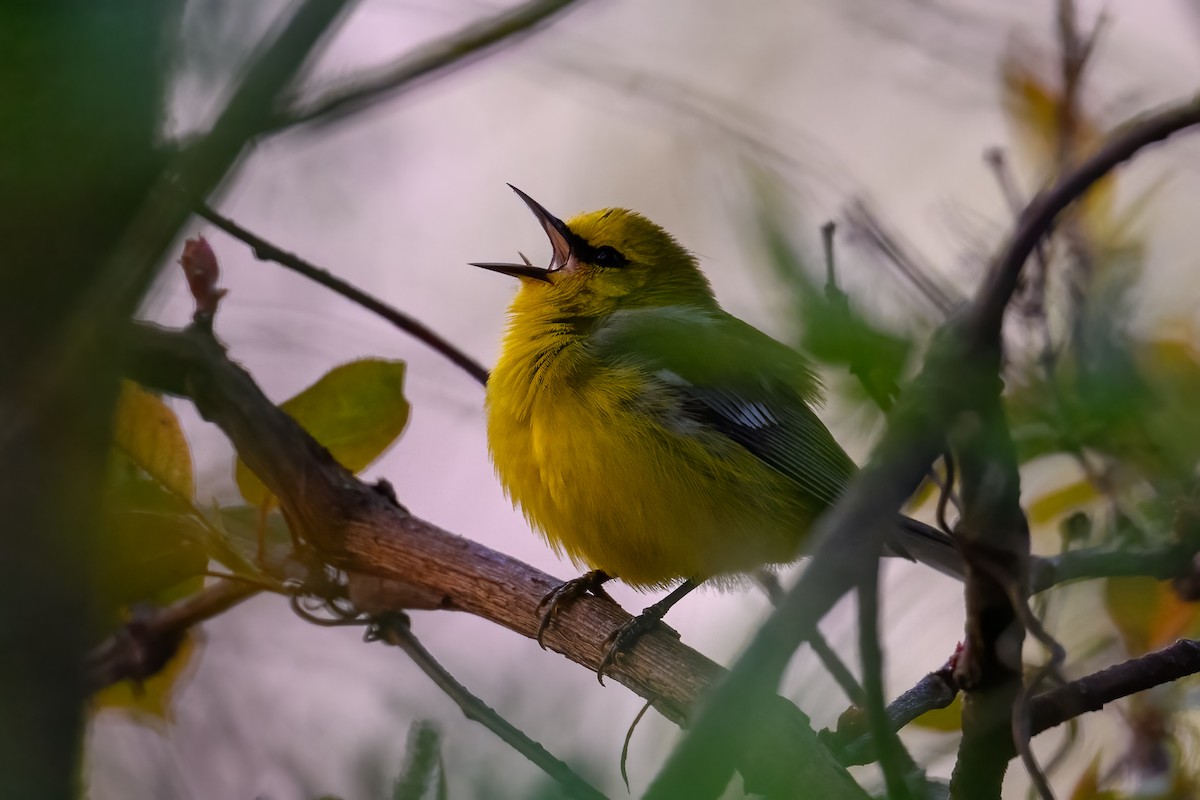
x=607 y=260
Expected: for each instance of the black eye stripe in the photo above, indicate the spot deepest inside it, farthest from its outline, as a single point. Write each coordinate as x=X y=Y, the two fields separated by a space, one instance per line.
x=603 y=256
x=606 y=256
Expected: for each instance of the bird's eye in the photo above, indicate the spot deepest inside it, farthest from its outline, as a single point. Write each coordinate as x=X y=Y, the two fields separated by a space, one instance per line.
x=608 y=257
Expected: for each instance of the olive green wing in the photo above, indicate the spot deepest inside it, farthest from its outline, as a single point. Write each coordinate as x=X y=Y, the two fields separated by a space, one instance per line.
x=732 y=379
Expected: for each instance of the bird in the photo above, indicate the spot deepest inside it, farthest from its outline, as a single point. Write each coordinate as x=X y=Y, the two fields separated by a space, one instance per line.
x=649 y=435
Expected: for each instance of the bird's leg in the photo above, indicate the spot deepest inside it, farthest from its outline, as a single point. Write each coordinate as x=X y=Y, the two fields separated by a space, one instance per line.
x=624 y=637
x=567 y=593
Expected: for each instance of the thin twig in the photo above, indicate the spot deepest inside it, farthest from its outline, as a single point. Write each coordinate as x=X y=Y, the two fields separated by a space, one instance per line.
x=435 y=58
x=831 y=284
x=868 y=226
x=837 y=668
x=1034 y=300
x=855 y=746
x=895 y=762
x=266 y=251
x=1021 y=717
x=821 y=648
x=884 y=397
x=1093 y=692
x=394 y=629
x=946 y=494
x=1047 y=710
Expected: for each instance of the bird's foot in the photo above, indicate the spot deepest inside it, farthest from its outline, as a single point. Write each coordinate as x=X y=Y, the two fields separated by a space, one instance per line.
x=567 y=593
x=624 y=637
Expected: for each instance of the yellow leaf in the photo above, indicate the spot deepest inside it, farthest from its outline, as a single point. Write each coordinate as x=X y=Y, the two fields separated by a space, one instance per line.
x=149 y=434
x=1131 y=604
x=1088 y=785
x=946 y=720
x=1175 y=618
x=1063 y=500
x=1034 y=105
x=149 y=701
x=1148 y=614
x=356 y=411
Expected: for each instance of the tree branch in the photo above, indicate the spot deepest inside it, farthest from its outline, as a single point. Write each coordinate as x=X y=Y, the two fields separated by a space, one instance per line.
x=434 y=58
x=140 y=650
x=851 y=740
x=1047 y=710
x=894 y=760
x=266 y=251
x=993 y=537
x=357 y=528
x=1166 y=563
x=1078 y=697
x=394 y=629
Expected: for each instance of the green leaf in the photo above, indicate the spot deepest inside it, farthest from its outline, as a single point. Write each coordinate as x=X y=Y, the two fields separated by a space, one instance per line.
x=423 y=764
x=243 y=527
x=356 y=410
x=150 y=551
x=833 y=331
x=148 y=433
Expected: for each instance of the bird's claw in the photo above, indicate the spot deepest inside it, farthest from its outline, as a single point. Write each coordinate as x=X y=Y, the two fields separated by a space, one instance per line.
x=568 y=592
x=624 y=637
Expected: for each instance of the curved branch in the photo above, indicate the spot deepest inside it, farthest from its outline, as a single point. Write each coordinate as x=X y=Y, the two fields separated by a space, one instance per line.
x=1038 y=217
x=437 y=57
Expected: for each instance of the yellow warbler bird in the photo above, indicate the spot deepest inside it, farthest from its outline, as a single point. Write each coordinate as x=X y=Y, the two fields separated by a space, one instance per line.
x=649 y=435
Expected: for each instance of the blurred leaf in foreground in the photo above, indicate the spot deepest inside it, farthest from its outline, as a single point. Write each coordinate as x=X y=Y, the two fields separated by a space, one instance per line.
x=147 y=431
x=832 y=331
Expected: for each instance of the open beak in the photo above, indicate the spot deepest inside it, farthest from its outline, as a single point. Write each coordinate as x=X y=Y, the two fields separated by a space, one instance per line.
x=560 y=240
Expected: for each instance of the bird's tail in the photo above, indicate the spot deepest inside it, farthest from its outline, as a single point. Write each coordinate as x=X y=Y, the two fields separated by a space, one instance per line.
x=917 y=541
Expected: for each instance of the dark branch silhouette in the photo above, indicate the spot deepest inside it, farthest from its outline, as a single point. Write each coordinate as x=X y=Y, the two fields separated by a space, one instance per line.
x=267 y=251
x=436 y=58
